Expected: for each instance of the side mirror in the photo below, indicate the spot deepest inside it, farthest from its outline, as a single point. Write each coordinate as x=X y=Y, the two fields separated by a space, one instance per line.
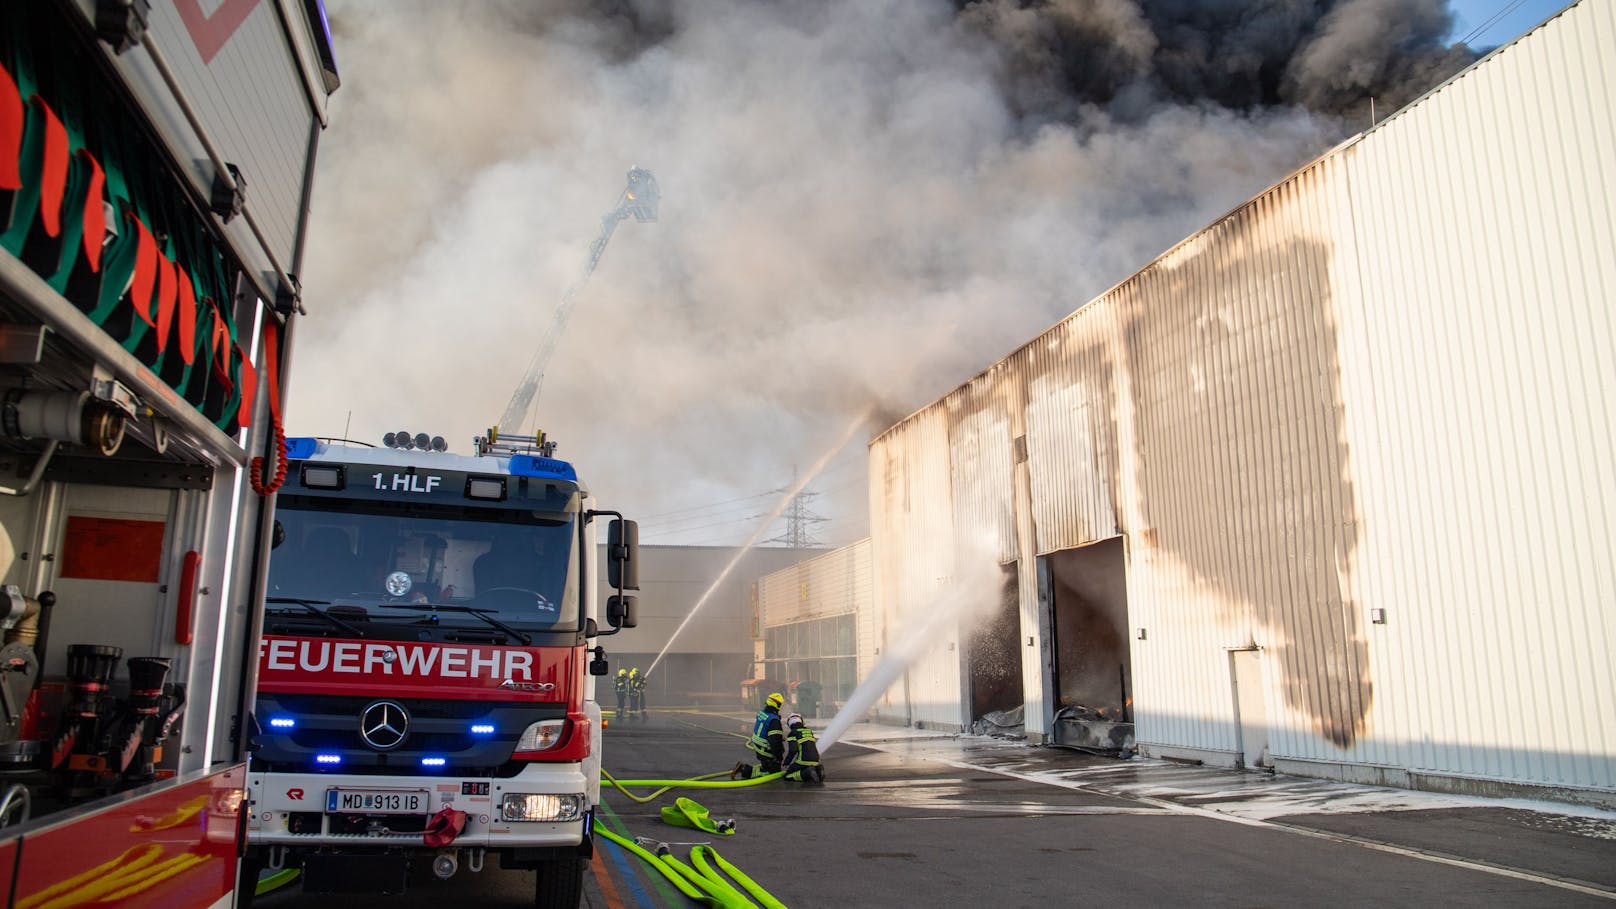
x=620 y=611
x=591 y=628
x=623 y=555
x=598 y=665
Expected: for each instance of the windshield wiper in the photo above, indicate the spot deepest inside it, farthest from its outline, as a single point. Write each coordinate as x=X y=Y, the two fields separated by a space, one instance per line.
x=313 y=607
x=479 y=613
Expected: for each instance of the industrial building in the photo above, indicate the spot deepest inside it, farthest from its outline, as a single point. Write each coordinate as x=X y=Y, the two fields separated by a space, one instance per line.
x=1327 y=488
x=713 y=654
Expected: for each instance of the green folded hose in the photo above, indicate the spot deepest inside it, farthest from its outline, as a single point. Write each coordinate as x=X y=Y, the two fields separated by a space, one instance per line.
x=690 y=813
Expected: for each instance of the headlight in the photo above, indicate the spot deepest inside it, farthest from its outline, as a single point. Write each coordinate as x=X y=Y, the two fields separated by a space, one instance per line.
x=542 y=736
x=526 y=806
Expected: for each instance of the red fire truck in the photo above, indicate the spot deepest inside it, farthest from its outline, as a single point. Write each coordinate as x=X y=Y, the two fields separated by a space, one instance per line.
x=146 y=308
x=426 y=691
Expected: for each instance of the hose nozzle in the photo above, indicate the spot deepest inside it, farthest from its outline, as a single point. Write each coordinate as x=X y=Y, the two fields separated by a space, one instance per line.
x=656 y=846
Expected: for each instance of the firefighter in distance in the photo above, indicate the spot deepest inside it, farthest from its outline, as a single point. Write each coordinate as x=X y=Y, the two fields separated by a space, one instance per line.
x=620 y=688
x=636 y=692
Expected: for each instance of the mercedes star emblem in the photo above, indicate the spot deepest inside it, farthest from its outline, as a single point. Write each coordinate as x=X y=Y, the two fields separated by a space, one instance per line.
x=383 y=725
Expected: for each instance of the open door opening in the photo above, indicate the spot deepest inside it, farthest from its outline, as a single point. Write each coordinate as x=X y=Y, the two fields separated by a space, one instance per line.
x=1088 y=600
x=994 y=663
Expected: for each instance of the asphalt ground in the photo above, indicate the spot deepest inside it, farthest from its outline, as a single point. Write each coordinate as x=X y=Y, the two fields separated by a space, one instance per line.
x=909 y=819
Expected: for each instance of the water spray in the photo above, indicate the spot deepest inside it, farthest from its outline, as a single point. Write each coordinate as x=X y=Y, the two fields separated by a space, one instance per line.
x=768 y=521
x=972 y=595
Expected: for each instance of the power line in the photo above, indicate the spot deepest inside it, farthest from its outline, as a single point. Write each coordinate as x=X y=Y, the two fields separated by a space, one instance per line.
x=729 y=523
x=675 y=523
x=1484 y=27
x=758 y=495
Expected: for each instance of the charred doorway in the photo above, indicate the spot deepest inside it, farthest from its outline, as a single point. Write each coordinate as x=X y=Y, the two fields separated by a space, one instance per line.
x=1088 y=601
x=994 y=664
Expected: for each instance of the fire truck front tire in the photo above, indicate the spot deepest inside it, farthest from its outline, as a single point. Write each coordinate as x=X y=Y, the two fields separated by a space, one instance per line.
x=560 y=884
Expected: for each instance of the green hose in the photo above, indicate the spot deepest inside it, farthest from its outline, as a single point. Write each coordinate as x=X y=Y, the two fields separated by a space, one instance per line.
x=695 y=782
x=642 y=799
x=706 y=885
x=679 y=880
x=698 y=856
x=275 y=881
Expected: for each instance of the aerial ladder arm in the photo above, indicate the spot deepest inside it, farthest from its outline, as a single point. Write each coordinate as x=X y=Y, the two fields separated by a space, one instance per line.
x=639 y=201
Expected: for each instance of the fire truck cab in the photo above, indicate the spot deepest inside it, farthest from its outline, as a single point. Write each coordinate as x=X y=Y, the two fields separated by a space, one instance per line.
x=426 y=693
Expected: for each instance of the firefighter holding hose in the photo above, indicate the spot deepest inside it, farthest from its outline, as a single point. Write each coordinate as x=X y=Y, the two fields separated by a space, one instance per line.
x=767 y=740
x=802 y=762
x=636 y=692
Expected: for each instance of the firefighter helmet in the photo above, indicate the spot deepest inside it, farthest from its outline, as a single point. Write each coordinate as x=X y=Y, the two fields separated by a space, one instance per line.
x=622 y=672
x=634 y=672
x=794 y=720
x=775 y=699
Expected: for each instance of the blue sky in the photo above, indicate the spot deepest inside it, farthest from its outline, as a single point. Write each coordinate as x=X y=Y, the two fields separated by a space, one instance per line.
x=1470 y=15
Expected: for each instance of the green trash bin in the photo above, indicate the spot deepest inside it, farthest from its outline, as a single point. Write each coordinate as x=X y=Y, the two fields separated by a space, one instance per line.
x=806 y=699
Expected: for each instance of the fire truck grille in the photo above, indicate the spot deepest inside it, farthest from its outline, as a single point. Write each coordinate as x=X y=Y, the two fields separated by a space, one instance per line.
x=296 y=733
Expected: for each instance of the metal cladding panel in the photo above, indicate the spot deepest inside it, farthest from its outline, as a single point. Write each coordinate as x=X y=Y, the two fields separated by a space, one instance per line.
x=912 y=523
x=836 y=583
x=980 y=452
x=1487 y=281
x=1071 y=440
x=248 y=88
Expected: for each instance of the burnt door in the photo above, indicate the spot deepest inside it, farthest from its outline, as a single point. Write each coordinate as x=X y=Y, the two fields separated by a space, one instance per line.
x=993 y=658
x=1089 y=617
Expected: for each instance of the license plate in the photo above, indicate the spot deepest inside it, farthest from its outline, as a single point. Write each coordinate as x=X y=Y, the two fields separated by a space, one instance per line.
x=376 y=801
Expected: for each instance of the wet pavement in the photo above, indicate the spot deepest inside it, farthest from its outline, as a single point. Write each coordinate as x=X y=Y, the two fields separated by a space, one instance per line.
x=911 y=818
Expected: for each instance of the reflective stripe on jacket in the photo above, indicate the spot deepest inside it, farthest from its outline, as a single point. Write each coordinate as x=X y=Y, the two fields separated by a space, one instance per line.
x=768 y=739
x=800 y=747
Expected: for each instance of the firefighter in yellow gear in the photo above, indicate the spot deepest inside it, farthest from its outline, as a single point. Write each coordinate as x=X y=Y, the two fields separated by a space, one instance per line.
x=636 y=692
x=620 y=688
x=767 y=740
x=802 y=762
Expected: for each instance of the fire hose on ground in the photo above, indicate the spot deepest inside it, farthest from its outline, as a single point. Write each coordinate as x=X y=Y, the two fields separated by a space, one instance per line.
x=705 y=882
x=709 y=781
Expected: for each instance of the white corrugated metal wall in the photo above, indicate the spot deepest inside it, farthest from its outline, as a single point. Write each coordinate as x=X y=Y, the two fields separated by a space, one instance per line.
x=1383 y=388
x=840 y=582
x=1485 y=226
x=834 y=583
x=911 y=508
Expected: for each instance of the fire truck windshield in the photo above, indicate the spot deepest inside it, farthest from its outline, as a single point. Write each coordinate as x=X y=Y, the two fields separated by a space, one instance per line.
x=513 y=566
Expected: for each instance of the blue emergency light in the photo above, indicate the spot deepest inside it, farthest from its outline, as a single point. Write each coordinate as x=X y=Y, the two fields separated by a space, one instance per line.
x=328 y=759
x=282 y=722
x=482 y=729
x=433 y=761
x=548 y=468
x=301 y=448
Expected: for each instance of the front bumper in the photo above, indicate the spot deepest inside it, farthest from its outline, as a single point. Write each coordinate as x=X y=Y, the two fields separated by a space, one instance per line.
x=289 y=808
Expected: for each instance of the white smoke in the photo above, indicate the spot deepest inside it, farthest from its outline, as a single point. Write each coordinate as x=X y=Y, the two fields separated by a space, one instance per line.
x=973 y=595
x=854 y=215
